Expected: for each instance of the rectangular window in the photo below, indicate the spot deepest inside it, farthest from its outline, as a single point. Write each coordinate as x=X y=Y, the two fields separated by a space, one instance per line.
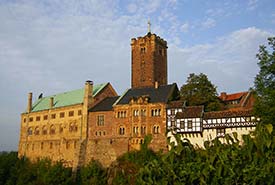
x=79 y=112
x=31 y=119
x=71 y=113
x=37 y=118
x=53 y=116
x=220 y=132
x=24 y=120
x=136 y=113
x=173 y=111
x=173 y=123
x=189 y=124
x=45 y=117
x=155 y=112
x=121 y=114
x=182 y=124
x=100 y=120
x=143 y=112
x=62 y=114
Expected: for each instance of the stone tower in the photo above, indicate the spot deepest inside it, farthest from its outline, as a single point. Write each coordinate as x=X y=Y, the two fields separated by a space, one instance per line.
x=149 y=61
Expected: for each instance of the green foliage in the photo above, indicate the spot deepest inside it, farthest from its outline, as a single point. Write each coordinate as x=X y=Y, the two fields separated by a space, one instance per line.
x=265 y=83
x=198 y=90
x=16 y=171
x=219 y=163
x=93 y=173
x=7 y=162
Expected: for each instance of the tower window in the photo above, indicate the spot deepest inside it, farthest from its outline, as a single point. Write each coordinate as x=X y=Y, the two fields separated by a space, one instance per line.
x=142 y=50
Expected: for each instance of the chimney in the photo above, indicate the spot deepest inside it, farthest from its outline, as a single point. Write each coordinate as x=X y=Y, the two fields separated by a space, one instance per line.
x=88 y=94
x=29 y=109
x=51 y=102
x=223 y=96
x=156 y=84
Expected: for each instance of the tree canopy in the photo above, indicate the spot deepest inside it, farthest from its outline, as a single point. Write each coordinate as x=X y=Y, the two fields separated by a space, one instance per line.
x=198 y=90
x=265 y=83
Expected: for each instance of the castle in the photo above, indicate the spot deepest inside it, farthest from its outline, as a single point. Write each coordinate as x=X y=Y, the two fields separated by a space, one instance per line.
x=94 y=123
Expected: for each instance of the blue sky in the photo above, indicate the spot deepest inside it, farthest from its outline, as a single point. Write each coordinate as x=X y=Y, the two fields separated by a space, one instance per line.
x=55 y=46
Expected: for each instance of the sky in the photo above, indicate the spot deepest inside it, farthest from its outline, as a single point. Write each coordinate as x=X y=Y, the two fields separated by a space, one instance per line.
x=55 y=46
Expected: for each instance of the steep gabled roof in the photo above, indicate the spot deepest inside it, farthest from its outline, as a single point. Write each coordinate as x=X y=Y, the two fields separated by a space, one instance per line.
x=105 y=105
x=176 y=104
x=155 y=95
x=64 y=99
x=235 y=96
x=228 y=113
x=190 y=112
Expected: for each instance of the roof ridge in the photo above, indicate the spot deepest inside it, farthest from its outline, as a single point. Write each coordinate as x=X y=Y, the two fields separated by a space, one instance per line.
x=116 y=102
x=61 y=93
x=102 y=85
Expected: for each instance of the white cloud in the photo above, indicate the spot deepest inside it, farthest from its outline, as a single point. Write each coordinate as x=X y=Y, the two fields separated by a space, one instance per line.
x=252 y=4
x=132 y=8
x=229 y=62
x=185 y=27
x=208 y=23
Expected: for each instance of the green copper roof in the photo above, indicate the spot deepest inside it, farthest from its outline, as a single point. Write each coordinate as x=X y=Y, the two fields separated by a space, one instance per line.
x=64 y=99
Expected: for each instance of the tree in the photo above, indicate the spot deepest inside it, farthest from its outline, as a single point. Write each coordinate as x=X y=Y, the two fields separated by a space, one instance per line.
x=265 y=83
x=198 y=90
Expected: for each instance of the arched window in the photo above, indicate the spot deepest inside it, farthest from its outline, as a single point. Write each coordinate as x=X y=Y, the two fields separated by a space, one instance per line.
x=61 y=128
x=73 y=127
x=121 y=130
x=156 y=129
x=44 y=130
x=52 y=129
x=30 y=131
x=36 y=131
x=143 y=130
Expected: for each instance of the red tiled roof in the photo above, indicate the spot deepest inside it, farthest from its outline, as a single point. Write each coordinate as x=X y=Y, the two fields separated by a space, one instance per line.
x=175 y=104
x=235 y=96
x=190 y=112
x=228 y=113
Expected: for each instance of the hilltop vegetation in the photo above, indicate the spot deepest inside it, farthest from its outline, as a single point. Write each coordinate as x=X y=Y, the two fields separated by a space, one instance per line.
x=232 y=162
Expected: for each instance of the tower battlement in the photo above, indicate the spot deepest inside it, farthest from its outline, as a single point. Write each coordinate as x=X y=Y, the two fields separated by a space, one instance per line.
x=151 y=37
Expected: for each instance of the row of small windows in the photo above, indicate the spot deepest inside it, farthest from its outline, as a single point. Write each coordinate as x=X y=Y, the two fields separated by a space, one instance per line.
x=52 y=129
x=229 y=120
x=137 y=141
x=142 y=112
x=155 y=112
x=155 y=130
x=53 y=116
x=51 y=145
x=182 y=124
x=121 y=114
x=136 y=112
x=142 y=130
x=100 y=133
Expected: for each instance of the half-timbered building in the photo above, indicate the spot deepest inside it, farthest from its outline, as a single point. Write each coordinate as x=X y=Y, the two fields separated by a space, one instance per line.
x=198 y=126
